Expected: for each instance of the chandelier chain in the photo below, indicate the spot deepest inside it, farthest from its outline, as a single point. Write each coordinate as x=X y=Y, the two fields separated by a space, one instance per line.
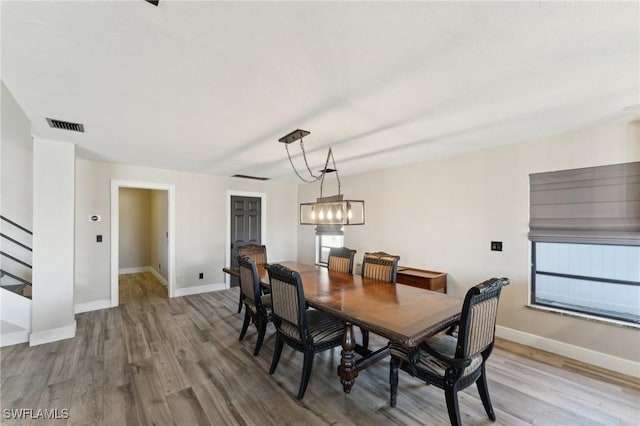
x=302 y=178
x=306 y=163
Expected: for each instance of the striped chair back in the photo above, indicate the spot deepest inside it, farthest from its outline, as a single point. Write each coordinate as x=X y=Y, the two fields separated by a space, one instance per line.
x=380 y=266
x=287 y=297
x=255 y=252
x=478 y=318
x=249 y=280
x=341 y=259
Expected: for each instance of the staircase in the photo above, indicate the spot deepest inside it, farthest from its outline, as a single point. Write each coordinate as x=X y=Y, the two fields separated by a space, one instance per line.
x=15 y=282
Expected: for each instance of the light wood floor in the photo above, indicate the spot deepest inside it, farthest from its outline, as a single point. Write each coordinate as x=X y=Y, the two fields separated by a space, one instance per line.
x=164 y=361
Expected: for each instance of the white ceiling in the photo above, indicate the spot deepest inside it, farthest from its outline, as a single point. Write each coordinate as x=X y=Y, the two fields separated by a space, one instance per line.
x=211 y=86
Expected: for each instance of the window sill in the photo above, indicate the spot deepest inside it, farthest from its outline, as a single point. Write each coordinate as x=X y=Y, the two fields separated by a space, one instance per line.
x=587 y=317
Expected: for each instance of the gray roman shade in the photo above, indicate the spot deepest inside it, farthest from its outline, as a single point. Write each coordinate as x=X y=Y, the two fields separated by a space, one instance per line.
x=594 y=205
x=322 y=229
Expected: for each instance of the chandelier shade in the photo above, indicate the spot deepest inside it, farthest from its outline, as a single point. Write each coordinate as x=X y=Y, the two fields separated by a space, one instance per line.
x=332 y=211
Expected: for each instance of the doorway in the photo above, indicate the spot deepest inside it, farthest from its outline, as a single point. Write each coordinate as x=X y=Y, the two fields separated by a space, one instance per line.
x=144 y=230
x=170 y=270
x=246 y=224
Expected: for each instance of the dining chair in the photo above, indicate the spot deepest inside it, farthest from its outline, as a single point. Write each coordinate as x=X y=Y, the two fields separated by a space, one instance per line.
x=257 y=305
x=453 y=362
x=256 y=252
x=380 y=266
x=341 y=259
x=306 y=330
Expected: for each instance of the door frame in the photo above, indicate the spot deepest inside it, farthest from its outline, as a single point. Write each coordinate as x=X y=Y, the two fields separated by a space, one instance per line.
x=115 y=231
x=263 y=224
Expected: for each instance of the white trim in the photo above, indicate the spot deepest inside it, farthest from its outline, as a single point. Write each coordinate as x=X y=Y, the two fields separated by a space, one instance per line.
x=188 y=291
x=134 y=270
x=610 y=362
x=53 y=335
x=14 y=338
x=94 y=305
x=141 y=269
x=115 y=229
x=263 y=224
x=159 y=277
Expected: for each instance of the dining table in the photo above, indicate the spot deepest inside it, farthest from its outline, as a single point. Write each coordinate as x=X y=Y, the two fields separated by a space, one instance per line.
x=400 y=313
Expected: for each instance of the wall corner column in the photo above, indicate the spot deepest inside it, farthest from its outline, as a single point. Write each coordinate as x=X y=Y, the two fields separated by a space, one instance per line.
x=53 y=241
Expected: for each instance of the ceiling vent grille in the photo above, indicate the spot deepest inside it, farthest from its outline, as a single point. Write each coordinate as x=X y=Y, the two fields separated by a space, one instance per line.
x=65 y=125
x=250 y=177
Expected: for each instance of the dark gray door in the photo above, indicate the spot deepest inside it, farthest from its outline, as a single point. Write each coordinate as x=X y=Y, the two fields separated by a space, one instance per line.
x=245 y=226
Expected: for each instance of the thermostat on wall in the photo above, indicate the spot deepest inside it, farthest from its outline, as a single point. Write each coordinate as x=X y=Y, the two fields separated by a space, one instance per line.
x=95 y=218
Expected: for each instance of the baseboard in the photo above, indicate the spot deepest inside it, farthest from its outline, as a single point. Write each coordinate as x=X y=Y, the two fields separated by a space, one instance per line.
x=136 y=270
x=158 y=276
x=610 y=362
x=14 y=338
x=52 y=335
x=187 y=291
x=94 y=305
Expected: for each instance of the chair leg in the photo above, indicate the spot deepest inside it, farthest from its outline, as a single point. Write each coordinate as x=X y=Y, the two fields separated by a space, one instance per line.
x=276 y=354
x=393 y=379
x=240 y=303
x=451 y=395
x=245 y=324
x=365 y=338
x=262 y=329
x=483 y=390
x=306 y=373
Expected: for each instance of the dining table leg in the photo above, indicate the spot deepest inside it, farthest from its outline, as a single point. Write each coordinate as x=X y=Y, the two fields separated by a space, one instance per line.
x=347 y=369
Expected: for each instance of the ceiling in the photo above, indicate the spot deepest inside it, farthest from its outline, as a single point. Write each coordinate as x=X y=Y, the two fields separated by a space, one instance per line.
x=210 y=87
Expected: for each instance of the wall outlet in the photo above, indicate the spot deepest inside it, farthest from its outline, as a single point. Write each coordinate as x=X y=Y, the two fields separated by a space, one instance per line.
x=201 y=275
x=496 y=245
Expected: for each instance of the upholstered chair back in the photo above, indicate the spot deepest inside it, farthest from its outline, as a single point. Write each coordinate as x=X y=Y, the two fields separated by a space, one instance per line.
x=341 y=259
x=478 y=318
x=255 y=252
x=380 y=266
x=287 y=296
x=249 y=280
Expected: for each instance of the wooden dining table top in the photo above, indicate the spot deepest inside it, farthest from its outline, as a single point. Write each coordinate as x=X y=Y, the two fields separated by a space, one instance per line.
x=401 y=313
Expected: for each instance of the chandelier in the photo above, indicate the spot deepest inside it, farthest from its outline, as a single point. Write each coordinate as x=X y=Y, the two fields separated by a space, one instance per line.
x=327 y=210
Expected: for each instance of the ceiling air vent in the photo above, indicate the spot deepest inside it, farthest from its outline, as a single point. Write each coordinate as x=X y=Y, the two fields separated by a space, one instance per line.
x=250 y=177
x=65 y=125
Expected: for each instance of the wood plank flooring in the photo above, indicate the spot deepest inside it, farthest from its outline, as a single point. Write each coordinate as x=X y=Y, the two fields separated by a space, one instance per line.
x=161 y=361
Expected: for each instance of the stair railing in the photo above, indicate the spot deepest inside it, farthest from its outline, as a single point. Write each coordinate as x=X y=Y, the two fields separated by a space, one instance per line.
x=13 y=258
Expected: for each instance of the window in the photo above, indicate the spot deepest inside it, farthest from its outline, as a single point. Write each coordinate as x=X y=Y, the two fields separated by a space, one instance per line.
x=585 y=233
x=601 y=280
x=324 y=242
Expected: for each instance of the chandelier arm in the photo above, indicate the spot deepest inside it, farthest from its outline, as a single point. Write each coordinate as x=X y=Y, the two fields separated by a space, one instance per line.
x=296 y=170
x=335 y=168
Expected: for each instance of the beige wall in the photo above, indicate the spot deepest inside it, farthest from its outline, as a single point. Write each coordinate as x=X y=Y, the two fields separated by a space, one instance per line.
x=442 y=215
x=135 y=228
x=16 y=155
x=201 y=226
x=16 y=184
